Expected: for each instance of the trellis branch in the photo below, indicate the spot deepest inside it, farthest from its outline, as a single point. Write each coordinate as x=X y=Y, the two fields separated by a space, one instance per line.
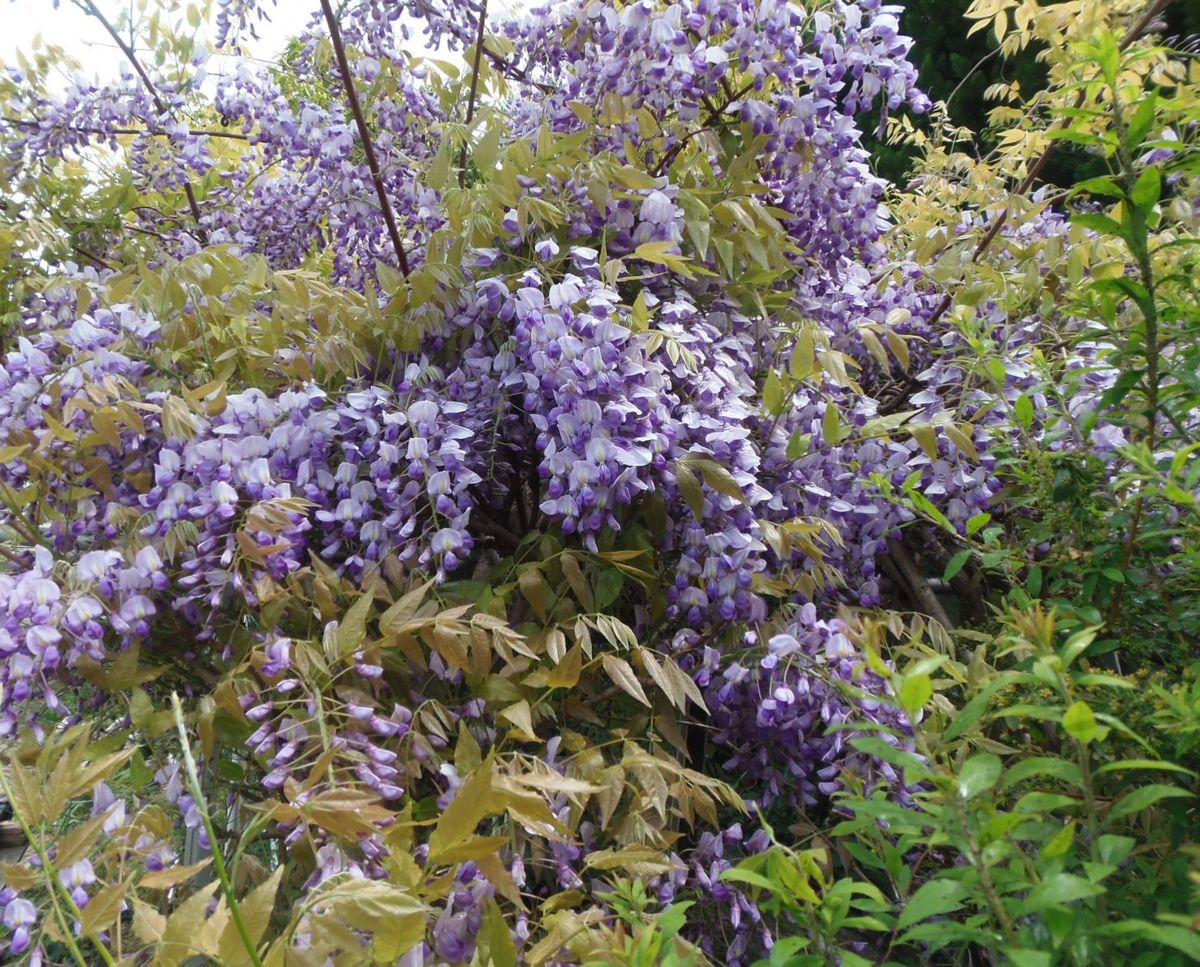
x=364 y=135
x=109 y=132
x=462 y=167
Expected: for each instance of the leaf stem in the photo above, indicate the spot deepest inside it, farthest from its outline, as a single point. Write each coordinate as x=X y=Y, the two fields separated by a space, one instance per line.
x=54 y=886
x=197 y=791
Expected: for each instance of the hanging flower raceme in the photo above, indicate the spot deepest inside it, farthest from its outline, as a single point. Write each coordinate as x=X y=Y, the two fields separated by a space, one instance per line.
x=783 y=716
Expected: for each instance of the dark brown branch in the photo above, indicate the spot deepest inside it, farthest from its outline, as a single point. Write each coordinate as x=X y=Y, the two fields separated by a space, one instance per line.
x=108 y=132
x=714 y=120
x=462 y=167
x=364 y=135
x=920 y=592
x=496 y=530
x=162 y=106
x=95 y=259
x=13 y=556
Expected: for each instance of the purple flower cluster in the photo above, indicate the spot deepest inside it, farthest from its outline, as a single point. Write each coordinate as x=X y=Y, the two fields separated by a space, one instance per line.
x=593 y=399
x=783 y=715
x=354 y=478
x=19 y=917
x=304 y=188
x=47 y=625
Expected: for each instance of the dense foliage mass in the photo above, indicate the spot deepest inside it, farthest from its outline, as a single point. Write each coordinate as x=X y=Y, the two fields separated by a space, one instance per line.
x=553 y=503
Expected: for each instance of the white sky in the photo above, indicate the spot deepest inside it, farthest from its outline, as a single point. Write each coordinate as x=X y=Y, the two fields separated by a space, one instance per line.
x=85 y=39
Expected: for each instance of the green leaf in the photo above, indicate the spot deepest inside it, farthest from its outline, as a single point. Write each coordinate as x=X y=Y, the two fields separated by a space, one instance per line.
x=1060 y=842
x=1080 y=722
x=798 y=444
x=622 y=675
x=496 y=939
x=393 y=918
x=716 y=476
x=404 y=609
x=661 y=254
x=741 y=875
x=1145 y=797
x=804 y=357
x=977 y=522
x=536 y=591
x=1099 y=223
x=476 y=799
x=957 y=563
x=1142 y=120
x=1024 y=957
x=520 y=714
x=1044 y=802
x=1147 y=189
x=1059 y=889
x=1122 y=764
x=256 y=914
x=1077 y=644
x=1108 y=55
x=689 y=486
x=926 y=435
x=915 y=691
x=1024 y=411
x=1103 y=185
x=1113 y=849
x=1180 y=938
x=978 y=774
x=640 y=315
x=774 y=397
x=973 y=711
x=832 y=428
x=961 y=438
x=639 y=180
x=608 y=587
x=932 y=899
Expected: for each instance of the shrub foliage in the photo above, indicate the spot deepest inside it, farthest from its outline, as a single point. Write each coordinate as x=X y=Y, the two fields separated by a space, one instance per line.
x=519 y=489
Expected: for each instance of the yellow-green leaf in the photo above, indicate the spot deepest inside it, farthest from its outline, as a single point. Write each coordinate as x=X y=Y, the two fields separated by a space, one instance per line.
x=622 y=675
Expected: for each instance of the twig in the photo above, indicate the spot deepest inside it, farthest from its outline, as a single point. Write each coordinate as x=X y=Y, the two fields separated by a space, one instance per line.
x=514 y=72
x=497 y=530
x=95 y=259
x=197 y=791
x=462 y=167
x=364 y=135
x=106 y=132
x=1039 y=165
x=11 y=556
